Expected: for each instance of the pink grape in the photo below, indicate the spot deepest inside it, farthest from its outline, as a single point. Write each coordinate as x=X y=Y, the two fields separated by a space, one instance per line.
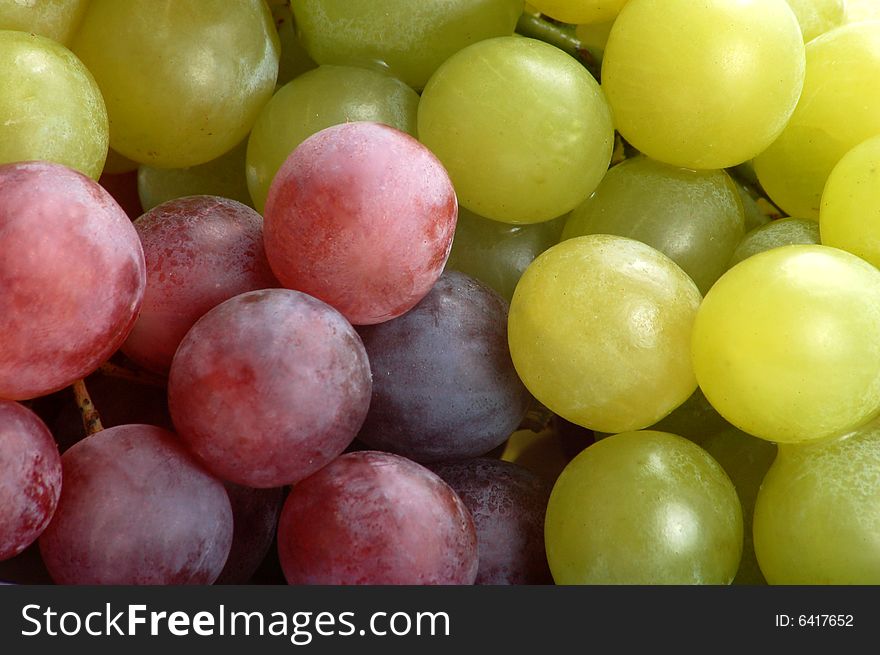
x=200 y=251
x=361 y=215
x=72 y=277
x=375 y=518
x=269 y=386
x=136 y=509
x=30 y=478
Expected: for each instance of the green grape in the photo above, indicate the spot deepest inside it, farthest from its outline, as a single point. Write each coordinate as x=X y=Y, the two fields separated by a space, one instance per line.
x=817 y=518
x=580 y=11
x=594 y=35
x=694 y=419
x=783 y=232
x=818 y=16
x=326 y=96
x=223 y=177
x=183 y=80
x=786 y=345
x=643 y=508
x=294 y=59
x=849 y=216
x=839 y=108
x=599 y=331
x=703 y=84
x=522 y=128
x=693 y=217
x=862 y=10
x=496 y=253
x=409 y=39
x=746 y=460
x=50 y=106
x=54 y=19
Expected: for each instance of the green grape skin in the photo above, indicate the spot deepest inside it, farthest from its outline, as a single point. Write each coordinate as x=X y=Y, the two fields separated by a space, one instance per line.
x=523 y=129
x=408 y=39
x=839 y=108
x=497 y=254
x=786 y=345
x=862 y=10
x=746 y=460
x=782 y=232
x=818 y=16
x=294 y=59
x=223 y=177
x=54 y=19
x=183 y=80
x=703 y=85
x=849 y=216
x=817 y=517
x=34 y=125
x=326 y=96
x=580 y=11
x=643 y=508
x=693 y=217
x=599 y=331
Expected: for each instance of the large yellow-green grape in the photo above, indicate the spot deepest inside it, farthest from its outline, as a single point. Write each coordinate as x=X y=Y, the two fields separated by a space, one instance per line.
x=50 y=106
x=223 y=176
x=693 y=217
x=600 y=329
x=861 y=10
x=183 y=80
x=703 y=84
x=786 y=345
x=643 y=508
x=410 y=39
x=839 y=108
x=818 y=16
x=523 y=129
x=817 y=518
x=294 y=59
x=580 y=11
x=849 y=217
x=497 y=253
x=782 y=232
x=746 y=460
x=54 y=19
x=326 y=96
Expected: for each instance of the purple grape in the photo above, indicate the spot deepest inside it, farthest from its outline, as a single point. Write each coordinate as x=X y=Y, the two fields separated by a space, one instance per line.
x=376 y=518
x=444 y=386
x=508 y=504
x=255 y=518
x=136 y=509
x=30 y=478
x=268 y=387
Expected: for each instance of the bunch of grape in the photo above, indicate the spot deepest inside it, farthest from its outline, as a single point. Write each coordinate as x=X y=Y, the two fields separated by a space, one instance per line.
x=447 y=292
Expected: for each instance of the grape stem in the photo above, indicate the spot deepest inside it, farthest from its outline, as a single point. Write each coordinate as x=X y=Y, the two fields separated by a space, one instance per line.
x=563 y=37
x=90 y=417
x=125 y=373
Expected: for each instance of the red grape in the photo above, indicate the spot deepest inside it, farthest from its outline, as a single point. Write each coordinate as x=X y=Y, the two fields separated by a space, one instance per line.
x=376 y=518
x=269 y=386
x=72 y=277
x=136 y=509
x=361 y=215
x=200 y=251
x=30 y=478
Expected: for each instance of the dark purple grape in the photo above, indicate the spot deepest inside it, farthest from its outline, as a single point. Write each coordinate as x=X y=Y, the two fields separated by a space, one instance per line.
x=444 y=386
x=136 y=509
x=376 y=518
x=268 y=387
x=508 y=504
x=30 y=478
x=255 y=518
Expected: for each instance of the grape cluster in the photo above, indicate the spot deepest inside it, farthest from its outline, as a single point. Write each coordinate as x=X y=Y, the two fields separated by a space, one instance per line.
x=440 y=292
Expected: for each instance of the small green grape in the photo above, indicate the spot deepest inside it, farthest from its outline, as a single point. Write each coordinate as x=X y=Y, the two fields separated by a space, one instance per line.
x=782 y=232
x=643 y=508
